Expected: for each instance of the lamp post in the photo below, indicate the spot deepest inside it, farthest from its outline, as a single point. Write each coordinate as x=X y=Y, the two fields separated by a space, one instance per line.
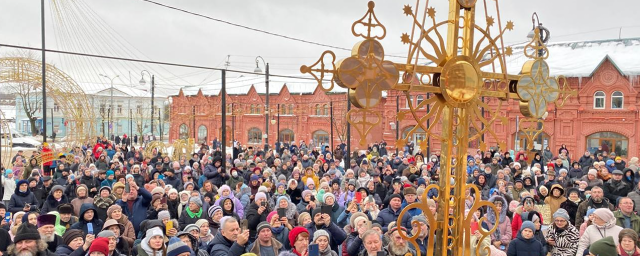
x=110 y=104
x=153 y=87
x=278 y=128
x=266 y=109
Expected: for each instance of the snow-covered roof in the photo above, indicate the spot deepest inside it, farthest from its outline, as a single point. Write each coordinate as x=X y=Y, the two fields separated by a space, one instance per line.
x=8 y=111
x=581 y=59
x=298 y=84
x=91 y=89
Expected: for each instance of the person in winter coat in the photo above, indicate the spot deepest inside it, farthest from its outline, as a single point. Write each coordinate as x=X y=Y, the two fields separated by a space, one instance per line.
x=82 y=197
x=88 y=216
x=616 y=188
x=74 y=244
x=625 y=217
x=635 y=196
x=214 y=172
x=571 y=204
x=525 y=244
x=597 y=200
x=502 y=236
x=604 y=224
x=257 y=212
x=627 y=240
x=322 y=238
x=22 y=199
x=556 y=197
x=323 y=222
x=229 y=241
x=225 y=192
x=562 y=237
x=135 y=203
x=152 y=244
x=90 y=183
x=521 y=214
x=192 y=213
x=102 y=201
x=392 y=212
x=56 y=197
x=115 y=213
x=9 y=185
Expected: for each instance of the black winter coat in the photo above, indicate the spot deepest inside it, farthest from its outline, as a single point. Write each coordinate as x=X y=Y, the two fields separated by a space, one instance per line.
x=525 y=247
x=252 y=216
x=19 y=200
x=51 y=204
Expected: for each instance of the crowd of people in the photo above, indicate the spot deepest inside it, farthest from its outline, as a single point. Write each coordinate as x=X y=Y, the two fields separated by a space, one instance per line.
x=108 y=198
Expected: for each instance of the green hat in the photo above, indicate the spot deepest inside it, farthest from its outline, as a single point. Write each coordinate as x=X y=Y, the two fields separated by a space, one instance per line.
x=604 y=247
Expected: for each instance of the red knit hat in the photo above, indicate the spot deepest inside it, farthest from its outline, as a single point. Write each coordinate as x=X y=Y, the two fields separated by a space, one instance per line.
x=293 y=235
x=100 y=244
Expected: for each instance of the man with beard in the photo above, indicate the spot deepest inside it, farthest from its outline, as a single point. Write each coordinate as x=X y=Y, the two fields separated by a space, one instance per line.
x=398 y=246
x=47 y=231
x=420 y=221
x=597 y=200
x=27 y=242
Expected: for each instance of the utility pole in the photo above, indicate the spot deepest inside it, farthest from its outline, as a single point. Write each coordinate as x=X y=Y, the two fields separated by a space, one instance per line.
x=347 y=162
x=331 y=116
x=44 y=76
x=224 y=119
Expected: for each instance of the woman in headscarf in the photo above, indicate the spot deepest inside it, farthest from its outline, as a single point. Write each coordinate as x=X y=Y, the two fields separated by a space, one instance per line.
x=229 y=208
x=604 y=224
x=225 y=192
x=184 y=201
x=562 y=237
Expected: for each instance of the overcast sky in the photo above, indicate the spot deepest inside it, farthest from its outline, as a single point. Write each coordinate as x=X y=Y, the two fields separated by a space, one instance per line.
x=138 y=29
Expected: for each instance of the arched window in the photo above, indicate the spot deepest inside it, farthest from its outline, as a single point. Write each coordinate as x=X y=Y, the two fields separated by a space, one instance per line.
x=617 y=100
x=598 y=100
x=291 y=109
x=318 y=109
x=326 y=110
x=255 y=136
x=286 y=135
x=184 y=132
x=419 y=100
x=202 y=134
x=320 y=137
x=609 y=142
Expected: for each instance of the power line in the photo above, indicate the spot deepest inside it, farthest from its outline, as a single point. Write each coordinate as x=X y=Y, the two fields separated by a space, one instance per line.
x=149 y=61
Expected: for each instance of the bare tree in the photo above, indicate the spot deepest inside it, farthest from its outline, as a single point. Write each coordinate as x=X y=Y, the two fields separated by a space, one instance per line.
x=28 y=91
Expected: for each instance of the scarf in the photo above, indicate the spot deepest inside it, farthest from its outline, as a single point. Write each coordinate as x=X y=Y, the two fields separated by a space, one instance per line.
x=193 y=215
x=278 y=230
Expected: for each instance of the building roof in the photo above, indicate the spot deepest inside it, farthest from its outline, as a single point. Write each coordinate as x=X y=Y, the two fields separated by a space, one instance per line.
x=570 y=59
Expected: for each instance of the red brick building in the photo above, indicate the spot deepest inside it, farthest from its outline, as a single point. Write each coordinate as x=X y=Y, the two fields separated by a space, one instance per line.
x=605 y=112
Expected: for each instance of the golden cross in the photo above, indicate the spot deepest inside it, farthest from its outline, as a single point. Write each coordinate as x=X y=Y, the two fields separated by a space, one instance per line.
x=459 y=83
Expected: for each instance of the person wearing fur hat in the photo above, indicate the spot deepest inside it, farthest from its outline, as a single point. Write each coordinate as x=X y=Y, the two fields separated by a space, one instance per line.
x=525 y=243
x=225 y=192
x=67 y=218
x=410 y=196
x=192 y=213
x=627 y=240
x=398 y=246
x=47 y=230
x=604 y=224
x=562 y=237
x=74 y=243
x=82 y=196
x=265 y=241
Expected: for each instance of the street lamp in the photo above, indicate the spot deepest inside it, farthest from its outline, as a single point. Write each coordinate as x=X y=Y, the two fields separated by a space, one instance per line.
x=153 y=87
x=545 y=35
x=266 y=109
x=111 y=104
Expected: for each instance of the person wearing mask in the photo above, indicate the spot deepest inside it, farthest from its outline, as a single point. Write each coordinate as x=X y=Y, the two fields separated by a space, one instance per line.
x=230 y=239
x=525 y=243
x=625 y=217
x=604 y=225
x=595 y=201
x=265 y=244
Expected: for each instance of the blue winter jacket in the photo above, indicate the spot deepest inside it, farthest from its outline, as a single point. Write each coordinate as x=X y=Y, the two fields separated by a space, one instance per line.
x=387 y=215
x=140 y=206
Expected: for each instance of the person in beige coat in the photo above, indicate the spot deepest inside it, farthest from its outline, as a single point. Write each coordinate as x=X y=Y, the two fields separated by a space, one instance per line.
x=129 y=233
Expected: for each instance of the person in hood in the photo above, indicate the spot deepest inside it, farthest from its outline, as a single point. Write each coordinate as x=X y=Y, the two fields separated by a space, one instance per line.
x=629 y=177
x=215 y=173
x=525 y=243
x=604 y=225
x=82 y=197
x=503 y=234
x=22 y=199
x=88 y=215
x=556 y=197
x=225 y=192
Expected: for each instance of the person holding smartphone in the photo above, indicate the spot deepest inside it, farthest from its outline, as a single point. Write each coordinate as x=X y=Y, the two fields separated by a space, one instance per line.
x=257 y=212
